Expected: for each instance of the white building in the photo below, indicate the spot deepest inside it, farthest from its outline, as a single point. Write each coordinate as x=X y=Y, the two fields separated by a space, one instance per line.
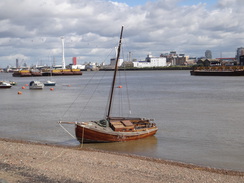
x=151 y=61
x=77 y=66
x=113 y=62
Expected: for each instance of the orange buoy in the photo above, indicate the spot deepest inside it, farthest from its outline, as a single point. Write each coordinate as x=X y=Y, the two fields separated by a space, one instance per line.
x=68 y=85
x=19 y=92
x=26 y=84
x=51 y=89
x=23 y=87
x=120 y=86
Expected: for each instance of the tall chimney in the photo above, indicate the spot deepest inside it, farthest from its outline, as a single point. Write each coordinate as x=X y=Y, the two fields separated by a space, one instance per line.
x=63 y=59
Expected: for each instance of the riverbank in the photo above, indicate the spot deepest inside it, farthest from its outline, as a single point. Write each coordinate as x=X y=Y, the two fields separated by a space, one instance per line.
x=33 y=162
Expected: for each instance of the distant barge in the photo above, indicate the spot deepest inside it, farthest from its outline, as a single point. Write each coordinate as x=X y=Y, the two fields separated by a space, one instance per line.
x=218 y=71
x=54 y=72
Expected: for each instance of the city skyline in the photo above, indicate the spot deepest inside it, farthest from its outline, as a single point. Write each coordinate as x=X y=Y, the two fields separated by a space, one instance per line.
x=31 y=31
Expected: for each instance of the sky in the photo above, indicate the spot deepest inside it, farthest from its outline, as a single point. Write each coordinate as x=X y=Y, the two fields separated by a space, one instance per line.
x=31 y=31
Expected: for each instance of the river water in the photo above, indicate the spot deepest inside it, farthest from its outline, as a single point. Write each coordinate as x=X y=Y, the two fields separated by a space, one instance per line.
x=200 y=119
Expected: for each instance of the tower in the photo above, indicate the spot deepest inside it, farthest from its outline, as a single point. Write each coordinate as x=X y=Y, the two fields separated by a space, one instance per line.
x=74 y=61
x=63 y=59
x=17 y=63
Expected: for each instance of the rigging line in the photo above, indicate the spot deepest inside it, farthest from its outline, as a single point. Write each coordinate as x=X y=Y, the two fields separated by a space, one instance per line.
x=121 y=102
x=112 y=102
x=119 y=93
x=126 y=82
x=67 y=131
x=115 y=72
x=88 y=82
x=107 y=105
x=88 y=101
x=78 y=95
x=127 y=92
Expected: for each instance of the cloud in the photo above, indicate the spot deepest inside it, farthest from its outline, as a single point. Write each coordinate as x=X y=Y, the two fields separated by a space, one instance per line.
x=31 y=30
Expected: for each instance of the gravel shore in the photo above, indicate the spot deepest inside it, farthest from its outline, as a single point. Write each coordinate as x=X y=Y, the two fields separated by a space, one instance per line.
x=25 y=162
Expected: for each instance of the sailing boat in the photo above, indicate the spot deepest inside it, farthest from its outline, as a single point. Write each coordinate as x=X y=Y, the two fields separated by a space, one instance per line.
x=114 y=129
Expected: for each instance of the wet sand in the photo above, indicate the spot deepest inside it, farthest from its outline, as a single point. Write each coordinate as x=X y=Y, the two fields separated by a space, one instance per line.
x=24 y=162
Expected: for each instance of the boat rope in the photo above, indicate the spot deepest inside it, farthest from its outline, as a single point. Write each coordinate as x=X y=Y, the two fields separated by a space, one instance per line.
x=67 y=131
x=61 y=153
x=82 y=138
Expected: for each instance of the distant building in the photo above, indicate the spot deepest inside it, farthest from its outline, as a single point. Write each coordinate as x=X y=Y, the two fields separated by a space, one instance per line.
x=208 y=54
x=227 y=61
x=113 y=62
x=173 y=53
x=239 y=52
x=241 y=58
x=17 y=63
x=191 y=60
x=72 y=66
x=208 y=62
x=173 y=58
x=74 y=61
x=151 y=61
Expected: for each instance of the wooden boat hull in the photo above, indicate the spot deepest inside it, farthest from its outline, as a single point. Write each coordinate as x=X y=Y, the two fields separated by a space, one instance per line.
x=86 y=134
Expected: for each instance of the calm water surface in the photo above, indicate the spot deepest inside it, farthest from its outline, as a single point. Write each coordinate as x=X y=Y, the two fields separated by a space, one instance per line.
x=200 y=119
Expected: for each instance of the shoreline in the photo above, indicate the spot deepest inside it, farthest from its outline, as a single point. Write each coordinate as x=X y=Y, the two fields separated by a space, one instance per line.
x=25 y=161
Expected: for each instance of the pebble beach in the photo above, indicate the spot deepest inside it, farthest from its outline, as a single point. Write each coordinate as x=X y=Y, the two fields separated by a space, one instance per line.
x=24 y=162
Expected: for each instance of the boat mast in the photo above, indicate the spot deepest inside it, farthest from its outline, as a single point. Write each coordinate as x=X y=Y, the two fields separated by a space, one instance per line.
x=115 y=73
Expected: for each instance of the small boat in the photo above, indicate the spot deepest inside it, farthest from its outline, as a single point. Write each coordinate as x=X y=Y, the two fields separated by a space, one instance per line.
x=50 y=83
x=218 y=71
x=113 y=129
x=12 y=83
x=4 y=84
x=35 y=85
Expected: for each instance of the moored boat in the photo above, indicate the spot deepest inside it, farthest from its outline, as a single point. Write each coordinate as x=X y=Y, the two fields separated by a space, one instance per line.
x=113 y=129
x=12 y=83
x=49 y=83
x=218 y=71
x=4 y=84
x=55 y=72
x=36 y=85
x=22 y=73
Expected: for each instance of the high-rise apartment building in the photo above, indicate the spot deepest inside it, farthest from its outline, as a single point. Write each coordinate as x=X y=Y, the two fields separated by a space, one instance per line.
x=208 y=54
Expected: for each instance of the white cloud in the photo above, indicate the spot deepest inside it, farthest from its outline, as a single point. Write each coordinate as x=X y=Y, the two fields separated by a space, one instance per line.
x=31 y=30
